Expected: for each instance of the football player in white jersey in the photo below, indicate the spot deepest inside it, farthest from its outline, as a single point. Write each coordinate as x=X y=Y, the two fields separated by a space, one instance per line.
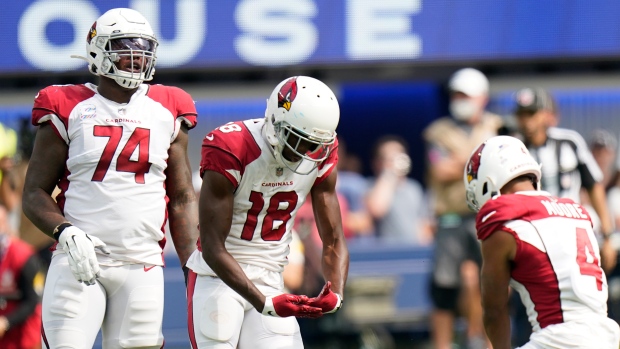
x=256 y=175
x=118 y=153
x=542 y=246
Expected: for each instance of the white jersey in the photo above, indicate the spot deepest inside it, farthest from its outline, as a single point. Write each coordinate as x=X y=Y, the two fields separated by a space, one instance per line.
x=114 y=182
x=556 y=269
x=267 y=195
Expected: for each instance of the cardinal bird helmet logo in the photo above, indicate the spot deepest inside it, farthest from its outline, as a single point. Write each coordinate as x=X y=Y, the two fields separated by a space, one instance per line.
x=474 y=164
x=91 y=33
x=287 y=94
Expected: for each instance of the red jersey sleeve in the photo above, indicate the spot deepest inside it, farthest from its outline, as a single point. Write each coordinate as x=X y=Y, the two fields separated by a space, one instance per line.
x=177 y=101
x=496 y=212
x=58 y=100
x=227 y=150
x=328 y=165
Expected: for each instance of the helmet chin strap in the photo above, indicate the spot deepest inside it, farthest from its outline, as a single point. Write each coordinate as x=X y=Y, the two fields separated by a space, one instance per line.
x=269 y=135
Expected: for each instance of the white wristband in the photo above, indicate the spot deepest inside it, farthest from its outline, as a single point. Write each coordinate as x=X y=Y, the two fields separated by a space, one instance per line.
x=268 y=308
x=338 y=304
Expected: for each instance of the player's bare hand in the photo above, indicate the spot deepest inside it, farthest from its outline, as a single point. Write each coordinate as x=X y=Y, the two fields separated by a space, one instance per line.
x=80 y=249
x=286 y=305
x=608 y=256
x=327 y=300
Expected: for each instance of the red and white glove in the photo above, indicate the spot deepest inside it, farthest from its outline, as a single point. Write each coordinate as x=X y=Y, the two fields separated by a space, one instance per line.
x=286 y=305
x=328 y=301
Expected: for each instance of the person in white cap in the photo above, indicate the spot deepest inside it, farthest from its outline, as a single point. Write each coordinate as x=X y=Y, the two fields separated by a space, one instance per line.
x=455 y=276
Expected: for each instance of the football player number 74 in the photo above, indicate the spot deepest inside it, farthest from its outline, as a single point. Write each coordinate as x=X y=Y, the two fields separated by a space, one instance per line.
x=584 y=248
x=138 y=139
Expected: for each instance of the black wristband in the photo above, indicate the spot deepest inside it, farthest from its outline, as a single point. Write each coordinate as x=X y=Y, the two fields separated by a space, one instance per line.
x=185 y=273
x=59 y=228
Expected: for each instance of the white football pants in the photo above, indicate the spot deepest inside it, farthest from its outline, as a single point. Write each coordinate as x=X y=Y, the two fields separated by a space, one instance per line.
x=219 y=318
x=127 y=303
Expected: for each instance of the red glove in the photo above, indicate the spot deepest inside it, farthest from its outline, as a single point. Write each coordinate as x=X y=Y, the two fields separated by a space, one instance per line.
x=286 y=305
x=327 y=300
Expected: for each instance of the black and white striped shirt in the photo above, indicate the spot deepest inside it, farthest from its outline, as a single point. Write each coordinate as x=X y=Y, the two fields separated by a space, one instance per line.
x=567 y=163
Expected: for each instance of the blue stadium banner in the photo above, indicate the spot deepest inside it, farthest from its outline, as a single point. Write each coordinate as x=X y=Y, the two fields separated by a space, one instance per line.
x=41 y=35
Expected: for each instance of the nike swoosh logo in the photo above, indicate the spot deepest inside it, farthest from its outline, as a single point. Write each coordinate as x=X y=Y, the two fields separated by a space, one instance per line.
x=209 y=137
x=271 y=313
x=148 y=268
x=484 y=219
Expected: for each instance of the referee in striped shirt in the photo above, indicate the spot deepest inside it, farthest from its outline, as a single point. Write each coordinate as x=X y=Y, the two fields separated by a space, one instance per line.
x=568 y=164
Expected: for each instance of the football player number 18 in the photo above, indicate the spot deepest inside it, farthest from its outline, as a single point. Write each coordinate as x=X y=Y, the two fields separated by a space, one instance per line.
x=138 y=139
x=584 y=248
x=279 y=211
x=230 y=127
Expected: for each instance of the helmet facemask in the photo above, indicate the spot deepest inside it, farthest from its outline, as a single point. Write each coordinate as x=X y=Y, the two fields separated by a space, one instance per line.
x=121 y=46
x=139 y=51
x=302 y=145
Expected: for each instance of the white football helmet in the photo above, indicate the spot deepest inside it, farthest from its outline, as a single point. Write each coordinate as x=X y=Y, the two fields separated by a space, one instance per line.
x=308 y=110
x=121 y=32
x=495 y=163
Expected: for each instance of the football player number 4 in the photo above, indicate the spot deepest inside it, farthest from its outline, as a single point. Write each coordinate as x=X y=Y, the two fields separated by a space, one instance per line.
x=584 y=249
x=138 y=139
x=278 y=214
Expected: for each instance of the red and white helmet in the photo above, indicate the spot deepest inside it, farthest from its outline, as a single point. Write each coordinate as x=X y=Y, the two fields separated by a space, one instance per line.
x=121 y=32
x=307 y=108
x=495 y=163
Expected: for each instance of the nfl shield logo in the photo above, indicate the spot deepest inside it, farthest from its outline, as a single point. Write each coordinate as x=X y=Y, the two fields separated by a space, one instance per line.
x=279 y=171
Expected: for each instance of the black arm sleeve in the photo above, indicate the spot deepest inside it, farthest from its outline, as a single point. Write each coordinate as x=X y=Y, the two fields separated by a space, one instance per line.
x=30 y=298
x=587 y=180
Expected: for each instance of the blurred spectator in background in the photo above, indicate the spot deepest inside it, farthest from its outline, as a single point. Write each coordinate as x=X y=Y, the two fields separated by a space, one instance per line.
x=12 y=188
x=568 y=164
x=603 y=145
x=8 y=149
x=21 y=283
x=293 y=274
x=352 y=187
x=455 y=284
x=397 y=203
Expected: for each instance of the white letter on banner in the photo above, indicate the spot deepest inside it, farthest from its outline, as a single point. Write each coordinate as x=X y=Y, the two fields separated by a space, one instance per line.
x=275 y=32
x=191 y=30
x=38 y=50
x=382 y=29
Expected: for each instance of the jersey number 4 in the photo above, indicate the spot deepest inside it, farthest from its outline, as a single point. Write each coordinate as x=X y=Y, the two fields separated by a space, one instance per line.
x=280 y=207
x=138 y=139
x=584 y=248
